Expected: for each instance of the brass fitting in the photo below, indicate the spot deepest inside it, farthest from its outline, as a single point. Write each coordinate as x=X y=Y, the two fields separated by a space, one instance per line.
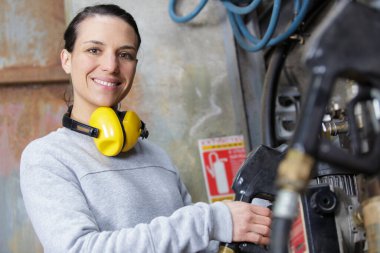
x=333 y=128
x=294 y=171
x=224 y=249
x=371 y=213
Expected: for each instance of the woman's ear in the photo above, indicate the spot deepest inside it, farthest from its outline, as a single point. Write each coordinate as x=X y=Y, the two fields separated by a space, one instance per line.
x=66 y=61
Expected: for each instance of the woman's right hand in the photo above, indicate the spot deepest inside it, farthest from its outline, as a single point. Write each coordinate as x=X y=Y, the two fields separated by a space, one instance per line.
x=251 y=223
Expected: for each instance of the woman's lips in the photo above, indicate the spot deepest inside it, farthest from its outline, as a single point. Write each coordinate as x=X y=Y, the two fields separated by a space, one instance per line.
x=106 y=83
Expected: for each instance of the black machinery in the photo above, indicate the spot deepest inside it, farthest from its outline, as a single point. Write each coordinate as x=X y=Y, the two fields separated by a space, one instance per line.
x=344 y=47
x=327 y=191
x=325 y=183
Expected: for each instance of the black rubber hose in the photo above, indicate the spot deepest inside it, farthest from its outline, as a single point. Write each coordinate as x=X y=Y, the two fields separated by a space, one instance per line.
x=273 y=73
x=268 y=99
x=280 y=235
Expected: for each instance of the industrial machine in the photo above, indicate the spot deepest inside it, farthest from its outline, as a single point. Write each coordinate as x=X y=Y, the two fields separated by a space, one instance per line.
x=320 y=160
x=343 y=51
x=326 y=191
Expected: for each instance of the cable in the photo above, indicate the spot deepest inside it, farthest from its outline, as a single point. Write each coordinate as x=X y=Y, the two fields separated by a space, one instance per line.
x=297 y=6
x=244 y=30
x=273 y=41
x=241 y=10
x=268 y=97
x=293 y=27
x=237 y=30
x=241 y=33
x=280 y=235
x=188 y=17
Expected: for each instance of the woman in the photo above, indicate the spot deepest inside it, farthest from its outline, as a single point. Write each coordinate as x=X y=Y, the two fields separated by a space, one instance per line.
x=80 y=200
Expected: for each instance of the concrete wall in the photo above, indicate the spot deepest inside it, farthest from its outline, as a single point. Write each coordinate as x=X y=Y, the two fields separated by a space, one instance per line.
x=183 y=91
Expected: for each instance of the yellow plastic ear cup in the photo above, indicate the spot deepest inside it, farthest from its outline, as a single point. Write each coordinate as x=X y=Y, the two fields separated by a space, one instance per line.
x=132 y=128
x=111 y=137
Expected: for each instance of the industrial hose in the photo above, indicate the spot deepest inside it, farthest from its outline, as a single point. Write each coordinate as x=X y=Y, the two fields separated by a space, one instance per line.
x=279 y=239
x=242 y=34
x=269 y=94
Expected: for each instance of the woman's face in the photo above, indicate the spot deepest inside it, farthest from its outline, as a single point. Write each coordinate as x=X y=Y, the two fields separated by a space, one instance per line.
x=102 y=64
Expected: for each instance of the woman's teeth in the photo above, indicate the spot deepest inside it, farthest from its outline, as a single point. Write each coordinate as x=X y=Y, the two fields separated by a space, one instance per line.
x=104 y=83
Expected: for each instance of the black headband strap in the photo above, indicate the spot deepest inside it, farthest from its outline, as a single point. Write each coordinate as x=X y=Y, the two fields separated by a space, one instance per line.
x=77 y=126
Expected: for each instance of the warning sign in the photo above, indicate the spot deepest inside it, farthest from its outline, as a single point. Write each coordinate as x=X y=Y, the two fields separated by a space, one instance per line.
x=298 y=237
x=221 y=159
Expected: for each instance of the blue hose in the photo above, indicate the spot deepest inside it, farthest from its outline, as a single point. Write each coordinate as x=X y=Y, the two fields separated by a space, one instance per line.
x=297 y=6
x=293 y=27
x=273 y=41
x=188 y=17
x=237 y=30
x=241 y=10
x=242 y=35
x=244 y=29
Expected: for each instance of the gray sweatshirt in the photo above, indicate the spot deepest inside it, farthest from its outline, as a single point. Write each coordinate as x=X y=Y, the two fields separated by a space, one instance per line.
x=79 y=200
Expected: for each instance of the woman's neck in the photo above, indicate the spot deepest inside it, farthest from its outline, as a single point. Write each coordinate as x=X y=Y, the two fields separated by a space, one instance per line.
x=82 y=113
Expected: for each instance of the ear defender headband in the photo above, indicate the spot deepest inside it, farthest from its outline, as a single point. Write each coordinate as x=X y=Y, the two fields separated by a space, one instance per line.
x=113 y=131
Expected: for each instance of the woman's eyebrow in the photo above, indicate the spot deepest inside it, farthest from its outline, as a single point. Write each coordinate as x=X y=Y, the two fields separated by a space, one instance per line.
x=127 y=47
x=101 y=43
x=94 y=42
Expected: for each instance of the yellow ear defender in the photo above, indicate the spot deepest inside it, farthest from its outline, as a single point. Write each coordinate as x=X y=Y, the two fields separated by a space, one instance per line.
x=113 y=131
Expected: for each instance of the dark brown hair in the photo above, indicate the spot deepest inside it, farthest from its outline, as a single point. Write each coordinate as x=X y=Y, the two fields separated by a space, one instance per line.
x=70 y=34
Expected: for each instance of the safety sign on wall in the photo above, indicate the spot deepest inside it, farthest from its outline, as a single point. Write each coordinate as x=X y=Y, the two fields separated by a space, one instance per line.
x=221 y=159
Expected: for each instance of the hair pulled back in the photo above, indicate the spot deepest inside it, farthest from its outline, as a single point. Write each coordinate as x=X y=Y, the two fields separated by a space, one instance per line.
x=70 y=34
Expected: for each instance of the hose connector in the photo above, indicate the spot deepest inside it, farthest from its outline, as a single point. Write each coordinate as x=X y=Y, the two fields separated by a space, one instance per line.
x=294 y=171
x=371 y=213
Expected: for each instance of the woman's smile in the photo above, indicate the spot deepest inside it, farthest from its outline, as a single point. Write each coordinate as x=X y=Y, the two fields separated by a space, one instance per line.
x=106 y=83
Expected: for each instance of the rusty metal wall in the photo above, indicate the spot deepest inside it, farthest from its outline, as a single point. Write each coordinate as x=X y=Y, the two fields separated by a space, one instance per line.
x=183 y=91
x=26 y=112
x=30 y=41
x=29 y=47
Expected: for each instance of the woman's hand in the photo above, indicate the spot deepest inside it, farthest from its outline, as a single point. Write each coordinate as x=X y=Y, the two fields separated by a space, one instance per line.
x=251 y=223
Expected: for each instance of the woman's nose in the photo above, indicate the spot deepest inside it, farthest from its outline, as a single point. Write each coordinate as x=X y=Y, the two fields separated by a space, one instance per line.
x=109 y=63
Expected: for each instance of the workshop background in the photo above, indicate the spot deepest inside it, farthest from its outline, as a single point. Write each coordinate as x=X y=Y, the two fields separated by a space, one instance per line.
x=187 y=87
x=276 y=74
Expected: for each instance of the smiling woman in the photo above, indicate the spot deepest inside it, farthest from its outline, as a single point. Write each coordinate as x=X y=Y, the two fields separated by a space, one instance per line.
x=83 y=200
x=102 y=63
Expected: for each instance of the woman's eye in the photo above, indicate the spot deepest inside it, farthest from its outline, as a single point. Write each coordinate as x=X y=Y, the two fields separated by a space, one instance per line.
x=93 y=51
x=126 y=56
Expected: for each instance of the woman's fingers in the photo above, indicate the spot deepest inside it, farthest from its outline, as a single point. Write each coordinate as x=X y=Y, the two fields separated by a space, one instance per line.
x=257 y=239
x=260 y=229
x=260 y=210
x=259 y=219
x=250 y=223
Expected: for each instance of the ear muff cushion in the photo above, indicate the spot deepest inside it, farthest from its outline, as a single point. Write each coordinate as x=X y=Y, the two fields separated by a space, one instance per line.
x=132 y=127
x=111 y=136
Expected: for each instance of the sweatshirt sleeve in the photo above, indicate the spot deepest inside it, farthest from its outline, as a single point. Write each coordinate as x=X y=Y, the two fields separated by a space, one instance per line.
x=186 y=197
x=65 y=223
